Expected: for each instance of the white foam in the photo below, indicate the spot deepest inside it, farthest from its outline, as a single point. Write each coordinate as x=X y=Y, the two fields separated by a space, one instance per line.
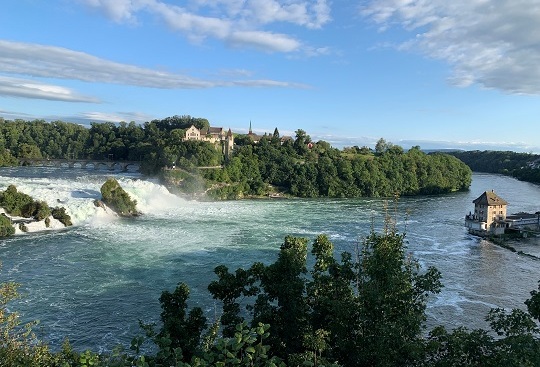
x=78 y=197
x=151 y=197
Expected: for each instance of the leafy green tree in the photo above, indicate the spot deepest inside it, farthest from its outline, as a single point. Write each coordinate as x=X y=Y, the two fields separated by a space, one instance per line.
x=360 y=312
x=7 y=159
x=29 y=151
x=301 y=142
x=180 y=329
x=13 y=201
x=382 y=146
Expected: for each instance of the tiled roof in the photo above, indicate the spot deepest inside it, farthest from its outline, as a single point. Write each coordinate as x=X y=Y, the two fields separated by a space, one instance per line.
x=490 y=198
x=215 y=130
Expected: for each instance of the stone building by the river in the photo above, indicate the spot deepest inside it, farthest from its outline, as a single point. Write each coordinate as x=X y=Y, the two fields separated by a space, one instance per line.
x=490 y=218
x=489 y=215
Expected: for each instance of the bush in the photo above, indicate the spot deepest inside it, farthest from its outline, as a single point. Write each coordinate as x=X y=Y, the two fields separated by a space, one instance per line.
x=60 y=214
x=13 y=201
x=117 y=199
x=6 y=228
x=38 y=210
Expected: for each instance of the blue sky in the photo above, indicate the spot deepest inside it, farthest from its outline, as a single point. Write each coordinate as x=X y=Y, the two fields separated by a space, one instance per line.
x=435 y=73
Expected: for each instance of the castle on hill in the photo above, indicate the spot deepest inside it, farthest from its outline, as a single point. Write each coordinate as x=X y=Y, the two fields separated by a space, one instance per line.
x=214 y=135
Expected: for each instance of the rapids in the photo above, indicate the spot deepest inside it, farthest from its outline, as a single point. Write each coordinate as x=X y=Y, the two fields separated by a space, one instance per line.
x=92 y=282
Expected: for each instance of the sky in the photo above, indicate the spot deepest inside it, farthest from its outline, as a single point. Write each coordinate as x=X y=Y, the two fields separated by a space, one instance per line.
x=435 y=73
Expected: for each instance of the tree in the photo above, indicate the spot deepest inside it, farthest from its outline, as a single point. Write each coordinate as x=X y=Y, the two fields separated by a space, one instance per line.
x=382 y=146
x=13 y=201
x=301 y=142
x=358 y=311
x=180 y=330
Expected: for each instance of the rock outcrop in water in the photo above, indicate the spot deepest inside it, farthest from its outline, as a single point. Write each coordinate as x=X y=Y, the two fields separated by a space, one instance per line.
x=114 y=196
x=19 y=210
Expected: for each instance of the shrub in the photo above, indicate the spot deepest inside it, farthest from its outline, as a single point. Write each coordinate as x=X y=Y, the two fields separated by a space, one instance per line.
x=60 y=214
x=38 y=210
x=117 y=199
x=6 y=228
x=13 y=201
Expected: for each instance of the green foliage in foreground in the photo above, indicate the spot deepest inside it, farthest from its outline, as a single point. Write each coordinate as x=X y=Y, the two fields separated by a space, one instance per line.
x=117 y=199
x=363 y=310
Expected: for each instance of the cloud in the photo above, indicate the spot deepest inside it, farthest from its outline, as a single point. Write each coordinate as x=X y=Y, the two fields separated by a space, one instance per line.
x=118 y=10
x=235 y=22
x=263 y=41
x=112 y=117
x=84 y=118
x=61 y=63
x=491 y=43
x=25 y=88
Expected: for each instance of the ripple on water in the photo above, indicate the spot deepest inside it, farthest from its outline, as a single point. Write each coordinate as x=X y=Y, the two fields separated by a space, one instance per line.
x=92 y=283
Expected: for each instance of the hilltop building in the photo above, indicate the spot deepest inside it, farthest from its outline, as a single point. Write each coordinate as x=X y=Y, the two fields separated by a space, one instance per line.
x=214 y=135
x=489 y=217
x=256 y=138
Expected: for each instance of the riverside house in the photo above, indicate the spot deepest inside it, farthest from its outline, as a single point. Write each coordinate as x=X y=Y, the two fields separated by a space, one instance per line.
x=489 y=217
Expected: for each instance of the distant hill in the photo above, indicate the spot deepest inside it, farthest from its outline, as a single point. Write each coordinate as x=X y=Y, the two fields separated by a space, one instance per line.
x=442 y=150
x=523 y=166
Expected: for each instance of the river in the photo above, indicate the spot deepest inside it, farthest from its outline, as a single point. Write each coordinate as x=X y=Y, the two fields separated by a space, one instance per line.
x=92 y=282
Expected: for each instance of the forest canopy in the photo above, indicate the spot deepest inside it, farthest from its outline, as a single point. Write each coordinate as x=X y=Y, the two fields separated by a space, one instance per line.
x=306 y=169
x=523 y=166
x=297 y=167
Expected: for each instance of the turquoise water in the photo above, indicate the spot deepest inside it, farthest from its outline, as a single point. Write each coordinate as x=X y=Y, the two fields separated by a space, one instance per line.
x=94 y=281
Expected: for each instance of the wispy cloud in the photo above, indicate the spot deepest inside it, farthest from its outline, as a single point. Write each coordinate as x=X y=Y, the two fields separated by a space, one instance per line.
x=26 y=88
x=112 y=117
x=84 y=118
x=493 y=44
x=43 y=61
x=239 y=23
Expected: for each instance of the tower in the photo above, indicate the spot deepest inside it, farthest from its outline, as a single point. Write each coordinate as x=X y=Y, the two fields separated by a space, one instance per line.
x=228 y=144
